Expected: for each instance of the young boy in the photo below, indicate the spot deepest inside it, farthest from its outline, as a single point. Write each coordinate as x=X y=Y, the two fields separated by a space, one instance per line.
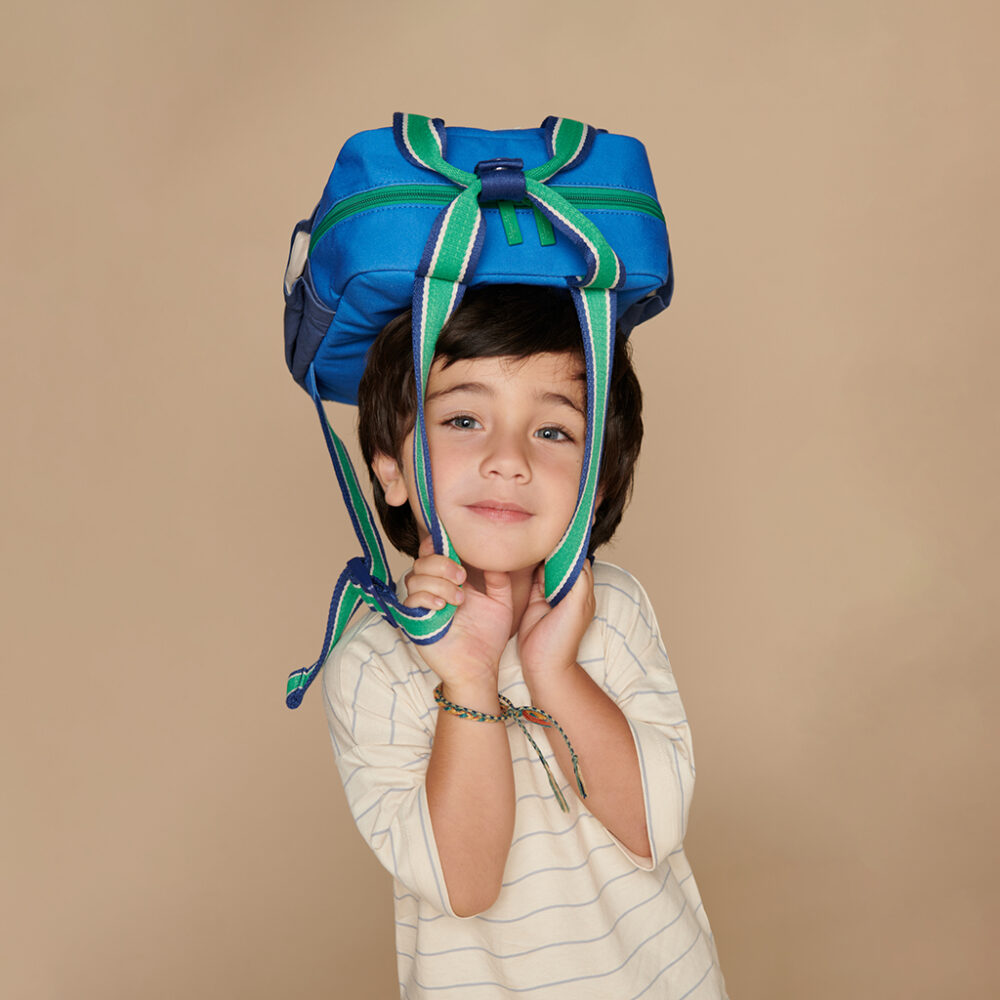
x=498 y=891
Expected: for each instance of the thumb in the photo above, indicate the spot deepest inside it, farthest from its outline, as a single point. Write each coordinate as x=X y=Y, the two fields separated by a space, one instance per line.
x=497 y=587
x=538 y=583
x=536 y=595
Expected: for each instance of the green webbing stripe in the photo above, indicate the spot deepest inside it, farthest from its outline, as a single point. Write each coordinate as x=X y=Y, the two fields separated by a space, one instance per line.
x=422 y=141
x=424 y=144
x=415 y=624
x=568 y=138
x=438 y=302
x=599 y=331
x=445 y=269
x=450 y=259
x=345 y=610
x=608 y=270
x=361 y=509
x=350 y=597
x=448 y=264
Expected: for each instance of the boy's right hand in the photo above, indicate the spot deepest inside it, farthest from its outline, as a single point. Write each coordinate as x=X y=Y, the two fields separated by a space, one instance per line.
x=467 y=658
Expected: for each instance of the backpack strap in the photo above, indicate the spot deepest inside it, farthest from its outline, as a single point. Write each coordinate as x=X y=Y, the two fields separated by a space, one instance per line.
x=365 y=579
x=449 y=259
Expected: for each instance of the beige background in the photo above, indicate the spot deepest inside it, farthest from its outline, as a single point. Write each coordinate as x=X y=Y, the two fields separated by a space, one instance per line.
x=815 y=518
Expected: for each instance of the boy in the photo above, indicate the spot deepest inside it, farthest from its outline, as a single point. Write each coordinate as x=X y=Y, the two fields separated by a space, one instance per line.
x=498 y=891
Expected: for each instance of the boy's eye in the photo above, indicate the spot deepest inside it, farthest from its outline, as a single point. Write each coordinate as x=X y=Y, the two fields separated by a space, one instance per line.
x=553 y=434
x=463 y=422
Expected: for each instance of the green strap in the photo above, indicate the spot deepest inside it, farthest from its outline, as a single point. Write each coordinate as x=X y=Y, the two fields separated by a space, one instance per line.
x=449 y=259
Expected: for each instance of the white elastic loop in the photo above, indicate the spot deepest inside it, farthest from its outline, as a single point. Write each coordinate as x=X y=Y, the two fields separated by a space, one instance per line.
x=297 y=258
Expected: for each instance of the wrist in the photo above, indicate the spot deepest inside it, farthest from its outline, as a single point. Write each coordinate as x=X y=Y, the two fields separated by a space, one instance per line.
x=539 y=660
x=550 y=679
x=480 y=696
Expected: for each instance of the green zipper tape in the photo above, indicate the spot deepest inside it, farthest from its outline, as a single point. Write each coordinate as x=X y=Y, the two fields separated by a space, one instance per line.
x=593 y=198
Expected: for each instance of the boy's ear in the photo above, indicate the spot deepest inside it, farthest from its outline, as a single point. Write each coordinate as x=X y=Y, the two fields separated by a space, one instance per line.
x=390 y=477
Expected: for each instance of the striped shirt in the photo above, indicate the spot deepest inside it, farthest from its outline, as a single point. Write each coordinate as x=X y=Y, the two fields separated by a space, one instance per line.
x=579 y=915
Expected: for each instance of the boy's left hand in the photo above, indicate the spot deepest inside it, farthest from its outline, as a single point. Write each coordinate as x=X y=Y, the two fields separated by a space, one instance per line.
x=548 y=639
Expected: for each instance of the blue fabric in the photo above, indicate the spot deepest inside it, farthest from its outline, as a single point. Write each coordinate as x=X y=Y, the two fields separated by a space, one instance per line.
x=360 y=274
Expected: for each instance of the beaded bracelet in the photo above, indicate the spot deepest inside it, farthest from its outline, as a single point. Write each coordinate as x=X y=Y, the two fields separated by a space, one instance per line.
x=519 y=714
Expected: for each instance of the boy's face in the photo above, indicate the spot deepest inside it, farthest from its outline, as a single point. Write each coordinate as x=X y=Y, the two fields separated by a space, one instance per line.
x=506 y=439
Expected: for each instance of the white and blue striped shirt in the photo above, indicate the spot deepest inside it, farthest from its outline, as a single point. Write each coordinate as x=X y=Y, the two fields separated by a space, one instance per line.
x=579 y=915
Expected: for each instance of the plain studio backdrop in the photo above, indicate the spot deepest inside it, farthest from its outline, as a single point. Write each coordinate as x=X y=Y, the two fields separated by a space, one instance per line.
x=815 y=515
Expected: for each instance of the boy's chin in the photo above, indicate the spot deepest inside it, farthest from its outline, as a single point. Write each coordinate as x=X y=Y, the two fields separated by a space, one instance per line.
x=515 y=568
x=480 y=558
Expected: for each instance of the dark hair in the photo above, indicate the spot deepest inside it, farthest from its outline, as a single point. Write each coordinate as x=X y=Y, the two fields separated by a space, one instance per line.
x=494 y=321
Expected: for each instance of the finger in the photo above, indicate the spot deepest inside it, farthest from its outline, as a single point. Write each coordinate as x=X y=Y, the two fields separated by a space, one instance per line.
x=583 y=589
x=425 y=599
x=537 y=592
x=441 y=566
x=586 y=575
x=433 y=583
x=584 y=585
x=443 y=591
x=426 y=550
x=497 y=586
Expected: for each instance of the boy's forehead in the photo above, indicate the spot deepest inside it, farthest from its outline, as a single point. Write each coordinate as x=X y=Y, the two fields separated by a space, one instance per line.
x=566 y=367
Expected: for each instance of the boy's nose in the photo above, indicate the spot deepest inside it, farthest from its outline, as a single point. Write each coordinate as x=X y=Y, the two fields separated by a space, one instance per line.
x=506 y=457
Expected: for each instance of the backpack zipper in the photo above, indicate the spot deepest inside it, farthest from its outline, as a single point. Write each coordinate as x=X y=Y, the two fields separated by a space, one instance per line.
x=594 y=198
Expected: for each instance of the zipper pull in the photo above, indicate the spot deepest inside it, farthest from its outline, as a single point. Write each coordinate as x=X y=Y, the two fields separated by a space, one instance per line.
x=508 y=216
x=546 y=234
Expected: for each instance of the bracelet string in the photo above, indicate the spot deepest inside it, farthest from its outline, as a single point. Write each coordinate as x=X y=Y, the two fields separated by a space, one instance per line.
x=521 y=714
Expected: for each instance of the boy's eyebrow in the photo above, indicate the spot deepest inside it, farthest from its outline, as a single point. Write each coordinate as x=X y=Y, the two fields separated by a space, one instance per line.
x=560 y=399
x=475 y=387
x=479 y=388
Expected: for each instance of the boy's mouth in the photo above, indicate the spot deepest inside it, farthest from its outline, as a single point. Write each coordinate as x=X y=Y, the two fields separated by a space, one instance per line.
x=496 y=510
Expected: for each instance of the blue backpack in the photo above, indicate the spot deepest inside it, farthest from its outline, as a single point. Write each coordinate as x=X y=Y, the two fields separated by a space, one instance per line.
x=413 y=215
